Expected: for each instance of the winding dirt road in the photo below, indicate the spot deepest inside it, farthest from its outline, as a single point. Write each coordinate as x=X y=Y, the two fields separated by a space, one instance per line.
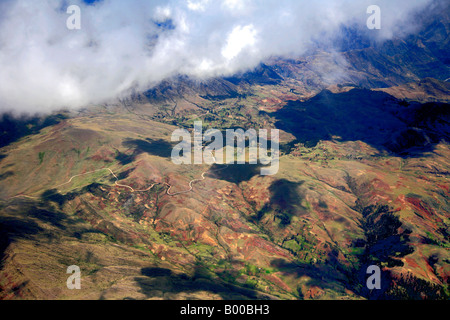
x=191 y=183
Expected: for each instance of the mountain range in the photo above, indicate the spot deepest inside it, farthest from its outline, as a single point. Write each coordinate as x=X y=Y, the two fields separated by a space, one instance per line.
x=363 y=180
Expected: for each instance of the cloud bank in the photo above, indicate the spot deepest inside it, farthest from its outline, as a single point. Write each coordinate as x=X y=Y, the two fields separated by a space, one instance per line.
x=135 y=44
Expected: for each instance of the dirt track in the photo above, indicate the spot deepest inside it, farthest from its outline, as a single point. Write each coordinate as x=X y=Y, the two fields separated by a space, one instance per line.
x=191 y=183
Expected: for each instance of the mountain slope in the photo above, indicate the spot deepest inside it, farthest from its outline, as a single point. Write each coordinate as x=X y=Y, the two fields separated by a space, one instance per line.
x=363 y=180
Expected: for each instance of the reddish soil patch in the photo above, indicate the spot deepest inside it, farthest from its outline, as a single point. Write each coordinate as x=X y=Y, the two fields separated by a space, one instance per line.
x=266 y=246
x=277 y=281
x=314 y=293
x=444 y=187
x=380 y=185
x=422 y=207
x=411 y=262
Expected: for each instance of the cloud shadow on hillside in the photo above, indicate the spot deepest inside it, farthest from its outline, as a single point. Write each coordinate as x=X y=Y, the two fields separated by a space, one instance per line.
x=235 y=173
x=285 y=202
x=6 y=175
x=332 y=276
x=36 y=221
x=161 y=281
x=160 y=148
x=14 y=128
x=376 y=118
x=12 y=229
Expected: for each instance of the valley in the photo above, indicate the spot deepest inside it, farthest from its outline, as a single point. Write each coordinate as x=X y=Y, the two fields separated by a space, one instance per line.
x=363 y=180
x=298 y=234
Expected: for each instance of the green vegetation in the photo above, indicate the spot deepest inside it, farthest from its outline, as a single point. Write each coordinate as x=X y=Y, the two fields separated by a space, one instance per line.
x=302 y=249
x=433 y=240
x=41 y=157
x=234 y=112
x=251 y=283
x=409 y=287
x=303 y=246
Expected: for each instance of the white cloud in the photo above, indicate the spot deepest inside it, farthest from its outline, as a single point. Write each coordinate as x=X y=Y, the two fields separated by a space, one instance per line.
x=198 y=5
x=138 y=43
x=239 y=39
x=235 y=4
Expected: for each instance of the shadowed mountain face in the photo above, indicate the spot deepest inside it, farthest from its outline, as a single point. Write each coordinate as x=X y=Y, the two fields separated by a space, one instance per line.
x=375 y=118
x=364 y=61
x=159 y=148
x=362 y=180
x=285 y=202
x=156 y=278
x=355 y=58
x=426 y=90
x=12 y=129
x=235 y=173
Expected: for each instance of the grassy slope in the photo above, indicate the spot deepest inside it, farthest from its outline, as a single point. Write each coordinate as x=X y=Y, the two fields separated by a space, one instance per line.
x=291 y=236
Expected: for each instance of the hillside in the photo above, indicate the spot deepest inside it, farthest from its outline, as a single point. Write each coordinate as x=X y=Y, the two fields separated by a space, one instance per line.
x=304 y=233
x=363 y=180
